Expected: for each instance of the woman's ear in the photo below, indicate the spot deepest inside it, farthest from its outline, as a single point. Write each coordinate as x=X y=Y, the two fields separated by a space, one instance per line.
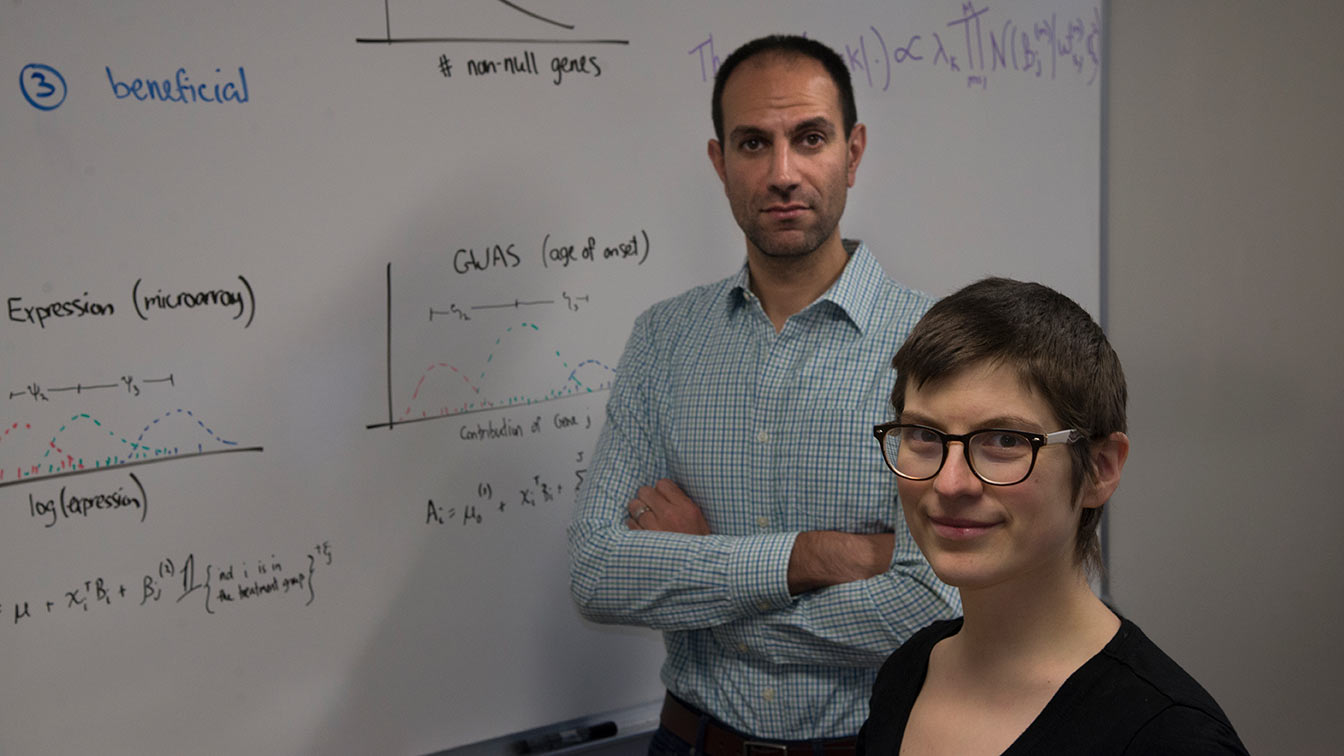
x=1108 y=460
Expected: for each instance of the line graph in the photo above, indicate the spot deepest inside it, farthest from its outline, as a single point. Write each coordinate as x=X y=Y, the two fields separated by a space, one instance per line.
x=586 y=377
x=84 y=444
x=518 y=9
x=520 y=367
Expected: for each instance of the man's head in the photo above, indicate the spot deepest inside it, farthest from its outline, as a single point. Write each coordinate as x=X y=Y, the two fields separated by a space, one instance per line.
x=788 y=151
x=788 y=46
x=1057 y=352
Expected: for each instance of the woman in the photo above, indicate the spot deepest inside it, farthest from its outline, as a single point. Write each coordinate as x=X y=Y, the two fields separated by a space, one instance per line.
x=1009 y=440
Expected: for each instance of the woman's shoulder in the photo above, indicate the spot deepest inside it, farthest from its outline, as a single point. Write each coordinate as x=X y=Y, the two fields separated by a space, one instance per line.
x=1170 y=711
x=1151 y=668
x=908 y=664
x=919 y=645
x=1187 y=731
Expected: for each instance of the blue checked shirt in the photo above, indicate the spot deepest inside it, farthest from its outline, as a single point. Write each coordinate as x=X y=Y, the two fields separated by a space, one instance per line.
x=771 y=435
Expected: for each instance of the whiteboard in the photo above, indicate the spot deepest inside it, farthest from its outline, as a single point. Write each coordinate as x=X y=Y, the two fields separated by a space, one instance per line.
x=311 y=308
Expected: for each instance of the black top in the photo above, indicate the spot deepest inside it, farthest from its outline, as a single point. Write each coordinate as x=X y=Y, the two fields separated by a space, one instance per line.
x=1128 y=699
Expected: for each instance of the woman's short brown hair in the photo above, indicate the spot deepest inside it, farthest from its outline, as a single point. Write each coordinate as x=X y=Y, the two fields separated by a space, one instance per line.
x=1057 y=349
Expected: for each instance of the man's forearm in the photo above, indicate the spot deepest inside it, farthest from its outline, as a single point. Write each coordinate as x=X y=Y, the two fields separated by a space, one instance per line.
x=823 y=558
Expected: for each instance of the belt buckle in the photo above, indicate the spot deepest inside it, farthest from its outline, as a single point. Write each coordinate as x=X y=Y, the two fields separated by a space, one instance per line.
x=750 y=747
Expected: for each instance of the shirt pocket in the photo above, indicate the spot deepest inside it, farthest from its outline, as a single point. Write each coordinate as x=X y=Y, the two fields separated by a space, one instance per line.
x=833 y=475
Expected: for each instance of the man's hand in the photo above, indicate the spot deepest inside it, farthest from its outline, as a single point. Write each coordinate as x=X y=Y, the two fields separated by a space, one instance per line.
x=820 y=558
x=664 y=506
x=823 y=558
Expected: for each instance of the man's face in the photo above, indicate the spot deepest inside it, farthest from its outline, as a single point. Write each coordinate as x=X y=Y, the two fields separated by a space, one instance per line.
x=785 y=162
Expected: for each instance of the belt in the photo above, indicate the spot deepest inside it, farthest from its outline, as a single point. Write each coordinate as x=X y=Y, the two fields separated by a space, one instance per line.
x=684 y=722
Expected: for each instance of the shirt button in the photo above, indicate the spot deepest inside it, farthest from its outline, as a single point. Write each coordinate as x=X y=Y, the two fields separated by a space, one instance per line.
x=768 y=694
x=763 y=437
x=763 y=522
x=763 y=606
x=742 y=647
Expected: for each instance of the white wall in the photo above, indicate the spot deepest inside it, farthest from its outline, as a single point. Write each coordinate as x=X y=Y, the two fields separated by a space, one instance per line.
x=1226 y=175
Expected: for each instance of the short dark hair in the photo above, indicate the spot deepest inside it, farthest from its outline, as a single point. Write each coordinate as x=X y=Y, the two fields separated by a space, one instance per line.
x=787 y=45
x=1057 y=350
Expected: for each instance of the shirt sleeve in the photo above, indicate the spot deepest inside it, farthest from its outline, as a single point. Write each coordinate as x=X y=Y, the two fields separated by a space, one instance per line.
x=854 y=624
x=666 y=581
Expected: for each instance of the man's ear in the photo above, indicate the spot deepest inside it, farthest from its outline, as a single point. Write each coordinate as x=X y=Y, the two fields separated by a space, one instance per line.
x=716 y=158
x=858 y=142
x=1108 y=460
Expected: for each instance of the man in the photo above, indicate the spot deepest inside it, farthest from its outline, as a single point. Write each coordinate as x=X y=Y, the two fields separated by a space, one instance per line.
x=770 y=551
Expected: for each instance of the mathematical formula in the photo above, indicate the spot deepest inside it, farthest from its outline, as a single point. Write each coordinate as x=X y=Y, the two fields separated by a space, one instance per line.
x=488 y=506
x=211 y=586
x=973 y=43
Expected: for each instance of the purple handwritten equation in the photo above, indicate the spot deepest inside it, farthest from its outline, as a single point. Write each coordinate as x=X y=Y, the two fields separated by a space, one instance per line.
x=973 y=43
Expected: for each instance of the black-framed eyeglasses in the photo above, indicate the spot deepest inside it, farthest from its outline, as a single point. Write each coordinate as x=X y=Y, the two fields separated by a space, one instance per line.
x=997 y=456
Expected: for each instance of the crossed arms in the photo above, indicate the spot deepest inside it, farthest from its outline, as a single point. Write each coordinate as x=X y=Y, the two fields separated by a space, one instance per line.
x=804 y=595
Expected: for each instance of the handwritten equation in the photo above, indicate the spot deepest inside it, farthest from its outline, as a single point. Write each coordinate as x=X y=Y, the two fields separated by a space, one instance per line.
x=492 y=502
x=211 y=586
x=972 y=43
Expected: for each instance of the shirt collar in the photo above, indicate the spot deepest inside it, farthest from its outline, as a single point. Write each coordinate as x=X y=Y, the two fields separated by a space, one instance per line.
x=853 y=293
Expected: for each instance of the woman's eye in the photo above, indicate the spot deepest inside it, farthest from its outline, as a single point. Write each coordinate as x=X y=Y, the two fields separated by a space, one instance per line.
x=922 y=436
x=1004 y=441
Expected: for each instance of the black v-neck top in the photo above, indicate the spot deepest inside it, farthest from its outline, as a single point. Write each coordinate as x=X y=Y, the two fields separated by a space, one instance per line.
x=1130 y=698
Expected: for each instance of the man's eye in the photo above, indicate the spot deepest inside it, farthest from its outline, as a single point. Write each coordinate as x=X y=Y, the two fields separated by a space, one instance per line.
x=814 y=140
x=752 y=144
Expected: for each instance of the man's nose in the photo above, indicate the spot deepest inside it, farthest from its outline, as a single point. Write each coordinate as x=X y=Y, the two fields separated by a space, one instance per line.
x=783 y=170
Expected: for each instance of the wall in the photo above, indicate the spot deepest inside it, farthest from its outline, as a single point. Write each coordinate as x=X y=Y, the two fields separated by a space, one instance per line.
x=1225 y=177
